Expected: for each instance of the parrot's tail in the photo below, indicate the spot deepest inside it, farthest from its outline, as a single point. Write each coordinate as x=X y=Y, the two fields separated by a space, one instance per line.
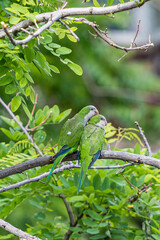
x=57 y=161
x=80 y=181
x=95 y=157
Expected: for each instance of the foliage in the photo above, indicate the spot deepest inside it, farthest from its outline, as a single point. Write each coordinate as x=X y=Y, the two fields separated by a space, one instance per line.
x=112 y=204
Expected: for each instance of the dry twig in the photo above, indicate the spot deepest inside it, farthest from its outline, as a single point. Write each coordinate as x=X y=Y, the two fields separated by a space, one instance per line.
x=16 y=231
x=144 y=139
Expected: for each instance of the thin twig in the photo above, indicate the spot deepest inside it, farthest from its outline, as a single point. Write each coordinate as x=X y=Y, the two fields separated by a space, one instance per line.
x=4 y=26
x=34 y=106
x=112 y=44
x=70 y=30
x=45 y=120
x=16 y=231
x=69 y=232
x=21 y=126
x=69 y=210
x=133 y=42
x=64 y=4
x=128 y=181
x=144 y=139
x=57 y=170
x=134 y=197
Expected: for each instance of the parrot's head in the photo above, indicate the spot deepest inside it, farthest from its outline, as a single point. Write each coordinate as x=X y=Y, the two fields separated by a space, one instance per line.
x=89 y=111
x=98 y=120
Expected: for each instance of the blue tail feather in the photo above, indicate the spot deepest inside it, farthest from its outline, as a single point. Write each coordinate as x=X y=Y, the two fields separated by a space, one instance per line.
x=61 y=152
x=96 y=156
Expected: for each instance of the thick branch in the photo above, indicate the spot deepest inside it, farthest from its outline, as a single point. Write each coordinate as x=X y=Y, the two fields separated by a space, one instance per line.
x=45 y=17
x=17 y=232
x=69 y=210
x=41 y=161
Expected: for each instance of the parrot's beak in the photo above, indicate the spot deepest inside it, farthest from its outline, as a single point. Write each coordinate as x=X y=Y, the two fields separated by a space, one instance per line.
x=96 y=112
x=105 y=123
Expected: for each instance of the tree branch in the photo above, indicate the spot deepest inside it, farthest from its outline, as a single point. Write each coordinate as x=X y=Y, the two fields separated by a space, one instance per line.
x=51 y=17
x=21 y=126
x=106 y=154
x=144 y=139
x=69 y=210
x=16 y=231
x=57 y=170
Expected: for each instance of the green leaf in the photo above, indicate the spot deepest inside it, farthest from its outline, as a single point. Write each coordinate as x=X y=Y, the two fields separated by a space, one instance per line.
x=110 y=2
x=99 y=236
x=29 y=78
x=55 y=112
x=64 y=182
x=62 y=116
x=41 y=59
x=97 y=182
x=76 y=229
x=93 y=230
x=93 y=215
x=23 y=82
x=71 y=38
x=19 y=73
x=105 y=184
x=54 y=45
x=6 y=132
x=27 y=111
x=54 y=69
x=96 y=4
x=90 y=223
x=61 y=35
x=47 y=39
x=9 y=121
x=40 y=136
x=137 y=149
x=148 y=177
x=19 y=8
x=10 y=89
x=6 y=80
x=35 y=204
x=77 y=198
x=39 y=216
x=63 y=50
x=75 y=68
x=29 y=54
x=14 y=20
x=15 y=103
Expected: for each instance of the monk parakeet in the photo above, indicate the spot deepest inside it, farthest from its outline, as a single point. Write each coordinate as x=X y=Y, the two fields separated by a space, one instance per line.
x=71 y=133
x=91 y=144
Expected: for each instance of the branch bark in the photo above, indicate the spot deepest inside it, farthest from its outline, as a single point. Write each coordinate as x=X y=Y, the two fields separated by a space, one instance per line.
x=106 y=154
x=16 y=231
x=51 y=17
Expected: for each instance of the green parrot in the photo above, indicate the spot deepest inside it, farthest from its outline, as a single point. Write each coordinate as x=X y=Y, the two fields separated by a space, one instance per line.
x=71 y=133
x=91 y=144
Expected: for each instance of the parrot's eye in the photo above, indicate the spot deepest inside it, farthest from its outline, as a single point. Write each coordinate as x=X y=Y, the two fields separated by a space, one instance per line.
x=102 y=118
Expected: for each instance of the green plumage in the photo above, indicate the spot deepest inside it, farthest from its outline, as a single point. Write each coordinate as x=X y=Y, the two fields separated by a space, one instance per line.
x=91 y=143
x=71 y=133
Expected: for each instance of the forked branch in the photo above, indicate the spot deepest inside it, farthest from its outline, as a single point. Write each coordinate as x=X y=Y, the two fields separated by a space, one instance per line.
x=16 y=231
x=49 y=18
